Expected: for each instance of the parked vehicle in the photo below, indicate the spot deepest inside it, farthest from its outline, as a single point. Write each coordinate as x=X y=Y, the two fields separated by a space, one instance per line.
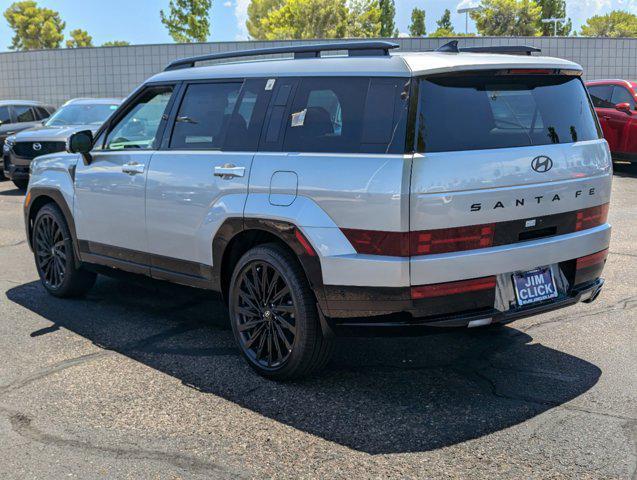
x=75 y=115
x=338 y=195
x=615 y=103
x=18 y=115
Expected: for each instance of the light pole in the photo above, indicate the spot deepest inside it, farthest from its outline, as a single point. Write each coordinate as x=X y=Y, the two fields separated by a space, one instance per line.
x=554 y=21
x=467 y=11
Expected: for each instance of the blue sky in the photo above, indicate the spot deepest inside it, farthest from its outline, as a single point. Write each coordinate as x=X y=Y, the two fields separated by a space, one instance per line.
x=137 y=21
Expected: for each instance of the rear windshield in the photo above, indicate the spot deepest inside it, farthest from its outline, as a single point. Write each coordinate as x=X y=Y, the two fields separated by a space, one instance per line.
x=485 y=111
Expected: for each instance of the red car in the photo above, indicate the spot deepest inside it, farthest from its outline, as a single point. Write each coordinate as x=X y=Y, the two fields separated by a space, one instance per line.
x=615 y=103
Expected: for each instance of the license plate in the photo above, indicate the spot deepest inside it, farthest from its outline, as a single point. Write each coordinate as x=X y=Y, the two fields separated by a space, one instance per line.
x=534 y=286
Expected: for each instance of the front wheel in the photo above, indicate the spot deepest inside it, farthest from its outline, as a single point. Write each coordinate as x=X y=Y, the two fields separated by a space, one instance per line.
x=274 y=315
x=54 y=255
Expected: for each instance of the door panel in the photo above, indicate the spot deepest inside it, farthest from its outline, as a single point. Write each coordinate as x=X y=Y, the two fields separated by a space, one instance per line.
x=186 y=203
x=109 y=203
x=623 y=124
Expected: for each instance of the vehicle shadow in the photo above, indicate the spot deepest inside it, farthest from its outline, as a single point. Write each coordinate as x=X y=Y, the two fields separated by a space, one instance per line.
x=15 y=192
x=378 y=395
x=625 y=169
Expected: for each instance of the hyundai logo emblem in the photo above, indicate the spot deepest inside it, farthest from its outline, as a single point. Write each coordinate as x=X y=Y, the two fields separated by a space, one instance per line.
x=37 y=147
x=542 y=164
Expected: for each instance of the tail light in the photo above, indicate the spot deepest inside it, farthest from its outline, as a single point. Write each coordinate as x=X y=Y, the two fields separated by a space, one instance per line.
x=591 y=260
x=591 y=217
x=452 y=239
x=453 y=288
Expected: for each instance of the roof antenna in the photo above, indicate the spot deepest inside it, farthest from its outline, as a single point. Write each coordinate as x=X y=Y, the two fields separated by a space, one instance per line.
x=451 y=47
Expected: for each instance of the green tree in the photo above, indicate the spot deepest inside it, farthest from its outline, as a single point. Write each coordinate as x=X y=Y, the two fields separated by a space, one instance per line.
x=508 y=18
x=257 y=11
x=187 y=20
x=387 y=14
x=617 y=23
x=116 y=43
x=34 y=27
x=306 y=19
x=554 y=9
x=445 y=27
x=364 y=19
x=417 y=27
x=79 y=38
x=445 y=21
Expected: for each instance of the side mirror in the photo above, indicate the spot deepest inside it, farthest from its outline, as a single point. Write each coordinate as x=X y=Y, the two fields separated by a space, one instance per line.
x=623 y=107
x=80 y=142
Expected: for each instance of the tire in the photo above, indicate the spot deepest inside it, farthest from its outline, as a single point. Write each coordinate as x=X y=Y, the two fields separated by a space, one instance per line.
x=281 y=340
x=54 y=255
x=3 y=177
x=21 y=184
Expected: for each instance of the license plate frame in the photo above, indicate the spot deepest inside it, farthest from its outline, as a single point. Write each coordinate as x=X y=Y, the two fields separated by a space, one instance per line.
x=534 y=286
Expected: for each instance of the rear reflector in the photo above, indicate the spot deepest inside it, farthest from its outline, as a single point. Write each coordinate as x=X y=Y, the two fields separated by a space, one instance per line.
x=304 y=243
x=591 y=217
x=452 y=239
x=591 y=260
x=453 y=288
x=376 y=242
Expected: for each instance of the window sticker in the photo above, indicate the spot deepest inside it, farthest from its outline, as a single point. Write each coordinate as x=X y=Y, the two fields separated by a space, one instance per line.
x=298 y=119
x=270 y=84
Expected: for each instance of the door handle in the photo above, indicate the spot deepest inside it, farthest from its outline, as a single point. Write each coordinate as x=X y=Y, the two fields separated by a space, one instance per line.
x=133 y=168
x=229 y=170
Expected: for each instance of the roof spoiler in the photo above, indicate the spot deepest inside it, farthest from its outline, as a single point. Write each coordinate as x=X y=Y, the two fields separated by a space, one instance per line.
x=452 y=47
x=354 y=49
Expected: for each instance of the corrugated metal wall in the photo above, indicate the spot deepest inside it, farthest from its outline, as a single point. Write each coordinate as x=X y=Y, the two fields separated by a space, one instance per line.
x=54 y=76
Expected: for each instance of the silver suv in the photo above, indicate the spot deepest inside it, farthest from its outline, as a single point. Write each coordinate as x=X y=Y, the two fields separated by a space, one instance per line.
x=337 y=195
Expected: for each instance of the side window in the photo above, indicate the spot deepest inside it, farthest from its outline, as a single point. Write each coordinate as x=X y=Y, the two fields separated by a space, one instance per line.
x=42 y=113
x=622 y=95
x=205 y=113
x=139 y=127
x=23 y=114
x=600 y=94
x=5 y=117
x=246 y=122
x=327 y=115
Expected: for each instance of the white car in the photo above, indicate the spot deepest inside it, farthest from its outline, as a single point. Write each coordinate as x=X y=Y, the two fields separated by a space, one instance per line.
x=330 y=196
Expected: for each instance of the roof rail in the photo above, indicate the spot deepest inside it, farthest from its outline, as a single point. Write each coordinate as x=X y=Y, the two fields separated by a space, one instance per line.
x=354 y=49
x=452 y=47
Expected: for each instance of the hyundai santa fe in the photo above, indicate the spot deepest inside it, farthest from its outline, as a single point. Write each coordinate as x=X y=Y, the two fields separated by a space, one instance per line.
x=330 y=195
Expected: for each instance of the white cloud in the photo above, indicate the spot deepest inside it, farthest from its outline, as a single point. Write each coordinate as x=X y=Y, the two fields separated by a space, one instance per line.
x=227 y=4
x=241 y=14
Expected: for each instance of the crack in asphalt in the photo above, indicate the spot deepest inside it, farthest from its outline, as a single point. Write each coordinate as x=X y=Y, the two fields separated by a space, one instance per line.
x=22 y=424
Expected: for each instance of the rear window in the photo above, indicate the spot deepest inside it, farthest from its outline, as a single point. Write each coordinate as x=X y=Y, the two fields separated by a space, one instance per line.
x=488 y=111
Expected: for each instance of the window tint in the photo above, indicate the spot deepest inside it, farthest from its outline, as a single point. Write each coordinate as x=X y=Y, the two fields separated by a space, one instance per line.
x=42 y=113
x=484 y=111
x=622 y=95
x=600 y=94
x=327 y=115
x=5 y=117
x=244 y=127
x=205 y=112
x=23 y=114
x=139 y=127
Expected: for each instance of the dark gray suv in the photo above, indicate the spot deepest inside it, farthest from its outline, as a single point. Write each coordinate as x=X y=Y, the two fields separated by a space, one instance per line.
x=18 y=115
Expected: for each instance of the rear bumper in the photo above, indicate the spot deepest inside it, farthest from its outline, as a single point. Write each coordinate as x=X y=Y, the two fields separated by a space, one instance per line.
x=406 y=324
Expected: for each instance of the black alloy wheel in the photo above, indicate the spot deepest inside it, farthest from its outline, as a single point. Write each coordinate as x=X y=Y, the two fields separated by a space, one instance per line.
x=50 y=251
x=274 y=314
x=60 y=272
x=266 y=315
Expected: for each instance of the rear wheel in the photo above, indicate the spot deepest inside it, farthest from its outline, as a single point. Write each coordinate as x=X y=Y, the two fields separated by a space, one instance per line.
x=274 y=315
x=54 y=255
x=21 y=184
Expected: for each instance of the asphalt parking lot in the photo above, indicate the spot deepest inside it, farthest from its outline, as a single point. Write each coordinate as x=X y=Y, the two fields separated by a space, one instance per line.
x=144 y=381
